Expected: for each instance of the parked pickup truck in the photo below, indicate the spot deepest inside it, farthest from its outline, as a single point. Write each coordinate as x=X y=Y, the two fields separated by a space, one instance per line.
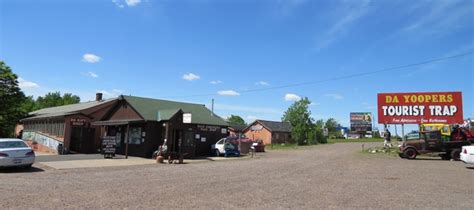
x=432 y=142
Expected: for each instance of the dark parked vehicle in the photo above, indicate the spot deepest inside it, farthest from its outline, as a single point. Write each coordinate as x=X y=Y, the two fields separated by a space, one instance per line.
x=432 y=142
x=260 y=146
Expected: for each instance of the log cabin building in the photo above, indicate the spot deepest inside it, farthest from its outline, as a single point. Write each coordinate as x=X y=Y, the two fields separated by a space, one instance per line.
x=138 y=125
x=68 y=128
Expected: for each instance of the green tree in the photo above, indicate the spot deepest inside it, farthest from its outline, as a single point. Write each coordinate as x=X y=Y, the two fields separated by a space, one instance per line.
x=236 y=120
x=11 y=100
x=68 y=98
x=299 y=116
x=319 y=132
x=29 y=105
x=54 y=99
x=331 y=124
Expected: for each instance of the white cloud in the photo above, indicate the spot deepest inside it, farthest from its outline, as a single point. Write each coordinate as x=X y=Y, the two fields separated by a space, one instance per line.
x=437 y=21
x=228 y=93
x=92 y=74
x=334 y=96
x=314 y=104
x=251 y=117
x=118 y=4
x=91 y=58
x=191 y=77
x=215 y=82
x=132 y=3
x=262 y=83
x=251 y=109
x=117 y=91
x=292 y=97
x=350 y=12
x=22 y=83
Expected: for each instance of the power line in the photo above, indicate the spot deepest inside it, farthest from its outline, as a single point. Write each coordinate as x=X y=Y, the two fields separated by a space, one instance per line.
x=339 y=78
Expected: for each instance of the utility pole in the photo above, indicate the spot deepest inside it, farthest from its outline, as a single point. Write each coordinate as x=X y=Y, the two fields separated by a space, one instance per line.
x=212 y=107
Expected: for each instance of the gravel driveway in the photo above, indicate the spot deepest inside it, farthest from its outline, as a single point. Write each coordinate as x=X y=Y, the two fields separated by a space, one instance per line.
x=327 y=176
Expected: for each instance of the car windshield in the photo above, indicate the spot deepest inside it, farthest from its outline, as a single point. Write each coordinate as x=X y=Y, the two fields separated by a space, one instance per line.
x=431 y=136
x=231 y=144
x=412 y=136
x=430 y=128
x=12 y=144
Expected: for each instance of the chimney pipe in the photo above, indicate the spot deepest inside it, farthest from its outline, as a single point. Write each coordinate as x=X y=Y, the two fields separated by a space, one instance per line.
x=98 y=97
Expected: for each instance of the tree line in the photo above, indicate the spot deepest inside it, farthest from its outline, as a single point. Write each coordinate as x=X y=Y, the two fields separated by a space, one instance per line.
x=14 y=105
x=305 y=130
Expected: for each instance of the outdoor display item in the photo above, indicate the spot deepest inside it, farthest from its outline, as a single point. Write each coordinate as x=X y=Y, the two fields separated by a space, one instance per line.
x=163 y=153
x=420 y=108
x=108 y=146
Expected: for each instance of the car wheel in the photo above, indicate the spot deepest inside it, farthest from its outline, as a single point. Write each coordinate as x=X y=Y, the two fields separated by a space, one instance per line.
x=409 y=153
x=217 y=153
x=401 y=155
x=28 y=167
x=455 y=154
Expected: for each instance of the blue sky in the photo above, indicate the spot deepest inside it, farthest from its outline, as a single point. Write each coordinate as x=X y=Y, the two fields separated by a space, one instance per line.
x=171 y=48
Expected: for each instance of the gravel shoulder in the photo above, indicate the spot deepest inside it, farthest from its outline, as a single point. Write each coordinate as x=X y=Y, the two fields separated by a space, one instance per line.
x=326 y=176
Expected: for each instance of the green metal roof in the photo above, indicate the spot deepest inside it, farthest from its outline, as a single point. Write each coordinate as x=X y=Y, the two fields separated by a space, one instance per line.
x=149 y=109
x=166 y=114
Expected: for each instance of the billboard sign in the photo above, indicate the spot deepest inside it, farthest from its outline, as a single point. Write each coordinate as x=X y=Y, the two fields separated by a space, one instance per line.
x=420 y=108
x=361 y=121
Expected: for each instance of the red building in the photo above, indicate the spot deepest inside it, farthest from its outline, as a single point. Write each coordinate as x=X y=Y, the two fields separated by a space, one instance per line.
x=270 y=132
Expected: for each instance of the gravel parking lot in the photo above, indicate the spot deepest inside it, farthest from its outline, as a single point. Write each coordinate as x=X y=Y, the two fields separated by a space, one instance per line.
x=327 y=176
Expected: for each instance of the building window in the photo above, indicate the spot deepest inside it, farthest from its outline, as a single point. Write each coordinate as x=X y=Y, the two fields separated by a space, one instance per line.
x=135 y=135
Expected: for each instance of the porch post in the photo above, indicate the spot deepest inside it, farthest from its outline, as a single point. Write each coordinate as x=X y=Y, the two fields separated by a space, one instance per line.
x=126 y=141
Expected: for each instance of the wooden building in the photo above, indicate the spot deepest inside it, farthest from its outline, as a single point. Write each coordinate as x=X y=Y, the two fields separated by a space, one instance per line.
x=270 y=132
x=68 y=127
x=235 y=130
x=140 y=125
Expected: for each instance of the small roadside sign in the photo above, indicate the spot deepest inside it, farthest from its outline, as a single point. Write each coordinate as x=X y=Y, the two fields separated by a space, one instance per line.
x=108 y=146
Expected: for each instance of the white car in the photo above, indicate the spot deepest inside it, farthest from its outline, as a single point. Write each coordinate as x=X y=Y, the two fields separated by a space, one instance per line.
x=467 y=155
x=224 y=147
x=14 y=152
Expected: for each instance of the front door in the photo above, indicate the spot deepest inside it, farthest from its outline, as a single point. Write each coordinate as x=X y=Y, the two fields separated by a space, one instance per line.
x=82 y=139
x=188 y=144
x=432 y=141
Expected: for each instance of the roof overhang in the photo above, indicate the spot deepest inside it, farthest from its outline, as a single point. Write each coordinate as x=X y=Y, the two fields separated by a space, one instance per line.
x=117 y=122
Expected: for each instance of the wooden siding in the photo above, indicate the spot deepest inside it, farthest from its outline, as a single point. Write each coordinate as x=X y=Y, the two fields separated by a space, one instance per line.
x=264 y=134
x=123 y=111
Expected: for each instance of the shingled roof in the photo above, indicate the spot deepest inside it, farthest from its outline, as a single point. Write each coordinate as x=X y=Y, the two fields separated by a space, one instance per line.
x=156 y=110
x=273 y=126
x=66 y=109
